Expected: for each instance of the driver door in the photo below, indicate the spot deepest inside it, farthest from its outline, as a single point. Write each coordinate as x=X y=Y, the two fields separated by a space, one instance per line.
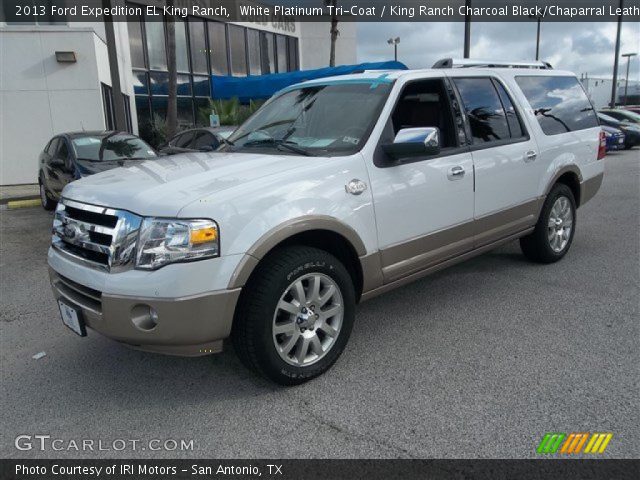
x=424 y=205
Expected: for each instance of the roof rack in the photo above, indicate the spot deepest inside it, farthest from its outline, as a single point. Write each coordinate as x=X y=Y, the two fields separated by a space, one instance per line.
x=467 y=63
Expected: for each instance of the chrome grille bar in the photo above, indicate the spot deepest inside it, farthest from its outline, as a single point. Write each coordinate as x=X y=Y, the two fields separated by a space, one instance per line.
x=95 y=244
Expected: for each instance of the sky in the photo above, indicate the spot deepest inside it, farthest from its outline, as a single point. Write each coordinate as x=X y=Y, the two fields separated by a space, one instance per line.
x=578 y=47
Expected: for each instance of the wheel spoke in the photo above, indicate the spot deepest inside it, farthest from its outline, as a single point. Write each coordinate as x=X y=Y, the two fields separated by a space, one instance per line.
x=286 y=348
x=326 y=295
x=288 y=307
x=331 y=311
x=314 y=289
x=288 y=328
x=303 y=348
x=299 y=293
x=316 y=345
x=328 y=329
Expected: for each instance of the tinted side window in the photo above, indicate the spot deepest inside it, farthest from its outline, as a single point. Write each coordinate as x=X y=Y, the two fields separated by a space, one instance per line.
x=205 y=139
x=63 y=150
x=483 y=107
x=559 y=103
x=512 y=116
x=183 y=140
x=52 y=147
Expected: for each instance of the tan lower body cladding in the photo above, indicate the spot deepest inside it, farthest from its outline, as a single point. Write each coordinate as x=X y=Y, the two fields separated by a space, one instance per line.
x=401 y=263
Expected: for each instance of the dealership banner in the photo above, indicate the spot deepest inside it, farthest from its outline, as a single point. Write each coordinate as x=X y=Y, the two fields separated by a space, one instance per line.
x=282 y=11
x=319 y=469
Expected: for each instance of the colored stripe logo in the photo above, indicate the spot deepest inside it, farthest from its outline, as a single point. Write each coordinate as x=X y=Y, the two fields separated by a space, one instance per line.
x=574 y=443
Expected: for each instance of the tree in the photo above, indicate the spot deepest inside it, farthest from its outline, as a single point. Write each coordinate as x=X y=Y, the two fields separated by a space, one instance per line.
x=334 y=32
x=172 y=99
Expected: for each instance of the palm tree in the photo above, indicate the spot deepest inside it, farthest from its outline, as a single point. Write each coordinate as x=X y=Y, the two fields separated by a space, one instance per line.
x=334 y=32
x=172 y=99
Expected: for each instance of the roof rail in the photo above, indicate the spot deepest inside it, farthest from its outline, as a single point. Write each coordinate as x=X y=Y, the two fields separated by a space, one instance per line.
x=467 y=63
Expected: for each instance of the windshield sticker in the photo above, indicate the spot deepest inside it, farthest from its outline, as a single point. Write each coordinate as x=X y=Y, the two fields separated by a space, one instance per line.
x=352 y=140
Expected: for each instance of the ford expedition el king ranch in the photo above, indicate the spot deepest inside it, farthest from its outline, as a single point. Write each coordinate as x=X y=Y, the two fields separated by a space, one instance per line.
x=334 y=191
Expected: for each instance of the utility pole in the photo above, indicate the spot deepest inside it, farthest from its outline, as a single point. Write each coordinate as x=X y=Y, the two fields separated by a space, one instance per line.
x=626 y=82
x=467 y=29
x=614 y=85
x=539 y=20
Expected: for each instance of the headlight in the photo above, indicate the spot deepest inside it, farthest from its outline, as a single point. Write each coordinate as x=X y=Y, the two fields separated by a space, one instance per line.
x=162 y=241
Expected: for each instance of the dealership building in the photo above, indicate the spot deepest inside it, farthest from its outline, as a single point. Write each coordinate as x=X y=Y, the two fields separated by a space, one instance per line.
x=58 y=76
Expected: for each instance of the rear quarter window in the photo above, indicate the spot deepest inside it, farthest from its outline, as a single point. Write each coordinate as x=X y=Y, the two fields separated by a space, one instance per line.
x=559 y=103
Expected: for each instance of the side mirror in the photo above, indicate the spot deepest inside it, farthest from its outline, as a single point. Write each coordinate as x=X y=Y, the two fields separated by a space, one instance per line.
x=414 y=142
x=57 y=162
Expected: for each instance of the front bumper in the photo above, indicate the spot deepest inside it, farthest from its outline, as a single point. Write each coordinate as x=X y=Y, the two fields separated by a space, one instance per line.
x=186 y=326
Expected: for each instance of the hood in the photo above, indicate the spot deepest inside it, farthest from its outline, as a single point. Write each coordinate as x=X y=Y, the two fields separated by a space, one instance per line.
x=161 y=187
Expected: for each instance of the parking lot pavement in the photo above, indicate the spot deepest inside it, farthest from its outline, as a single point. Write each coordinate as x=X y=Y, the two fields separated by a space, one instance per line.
x=480 y=360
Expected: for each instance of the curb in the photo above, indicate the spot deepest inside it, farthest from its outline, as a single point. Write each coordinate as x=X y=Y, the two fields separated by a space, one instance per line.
x=26 y=203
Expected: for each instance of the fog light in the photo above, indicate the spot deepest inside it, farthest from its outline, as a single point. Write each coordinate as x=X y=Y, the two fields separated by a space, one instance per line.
x=144 y=317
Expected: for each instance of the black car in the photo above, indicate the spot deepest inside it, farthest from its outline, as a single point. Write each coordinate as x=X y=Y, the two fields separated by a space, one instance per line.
x=631 y=131
x=70 y=156
x=205 y=139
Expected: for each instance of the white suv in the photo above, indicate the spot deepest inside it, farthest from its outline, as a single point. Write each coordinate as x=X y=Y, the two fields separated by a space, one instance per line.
x=335 y=191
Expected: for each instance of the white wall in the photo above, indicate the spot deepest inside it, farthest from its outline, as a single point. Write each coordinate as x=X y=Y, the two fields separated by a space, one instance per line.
x=315 y=44
x=40 y=97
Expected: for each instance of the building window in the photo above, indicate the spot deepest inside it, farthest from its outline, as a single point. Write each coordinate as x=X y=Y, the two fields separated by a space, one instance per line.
x=127 y=112
x=218 y=48
x=107 y=105
x=292 y=53
x=156 y=49
x=134 y=25
x=237 y=50
x=267 y=52
x=198 y=45
x=253 y=48
x=281 y=49
x=182 y=51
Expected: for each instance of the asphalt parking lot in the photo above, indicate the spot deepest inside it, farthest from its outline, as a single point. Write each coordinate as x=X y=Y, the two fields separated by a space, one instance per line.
x=480 y=360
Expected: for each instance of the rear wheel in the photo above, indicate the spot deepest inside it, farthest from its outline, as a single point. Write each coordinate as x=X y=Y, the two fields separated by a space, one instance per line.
x=46 y=202
x=295 y=315
x=553 y=234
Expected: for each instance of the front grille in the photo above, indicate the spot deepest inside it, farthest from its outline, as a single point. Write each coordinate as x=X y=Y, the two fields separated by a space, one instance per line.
x=99 y=237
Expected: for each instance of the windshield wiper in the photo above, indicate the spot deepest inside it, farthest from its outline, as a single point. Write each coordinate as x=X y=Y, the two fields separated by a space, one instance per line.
x=280 y=144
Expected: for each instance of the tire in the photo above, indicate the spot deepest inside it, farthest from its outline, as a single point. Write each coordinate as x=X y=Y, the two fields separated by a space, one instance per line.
x=45 y=200
x=544 y=245
x=280 y=354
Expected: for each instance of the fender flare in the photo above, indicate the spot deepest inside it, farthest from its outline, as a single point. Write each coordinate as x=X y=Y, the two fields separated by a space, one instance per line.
x=286 y=230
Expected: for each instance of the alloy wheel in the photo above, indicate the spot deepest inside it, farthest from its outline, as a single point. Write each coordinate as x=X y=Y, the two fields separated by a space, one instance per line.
x=308 y=319
x=560 y=224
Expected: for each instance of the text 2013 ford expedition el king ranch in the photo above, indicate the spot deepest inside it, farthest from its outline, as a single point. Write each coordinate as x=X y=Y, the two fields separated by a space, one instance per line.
x=335 y=191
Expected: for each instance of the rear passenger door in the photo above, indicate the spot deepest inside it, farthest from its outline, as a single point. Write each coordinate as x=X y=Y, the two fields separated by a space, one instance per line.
x=504 y=157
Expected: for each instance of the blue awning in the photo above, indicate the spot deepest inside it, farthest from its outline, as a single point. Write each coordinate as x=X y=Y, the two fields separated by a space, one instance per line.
x=256 y=87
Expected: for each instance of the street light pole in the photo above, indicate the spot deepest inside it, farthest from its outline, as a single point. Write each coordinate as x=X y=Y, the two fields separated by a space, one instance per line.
x=394 y=42
x=614 y=85
x=626 y=82
x=467 y=29
x=538 y=39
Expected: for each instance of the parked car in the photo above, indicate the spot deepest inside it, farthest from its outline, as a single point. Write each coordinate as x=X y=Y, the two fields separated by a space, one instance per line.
x=631 y=131
x=205 y=139
x=632 y=108
x=614 y=137
x=622 y=115
x=74 y=155
x=335 y=191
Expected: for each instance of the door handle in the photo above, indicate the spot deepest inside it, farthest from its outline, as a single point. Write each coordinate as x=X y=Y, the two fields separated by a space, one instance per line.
x=530 y=156
x=456 y=173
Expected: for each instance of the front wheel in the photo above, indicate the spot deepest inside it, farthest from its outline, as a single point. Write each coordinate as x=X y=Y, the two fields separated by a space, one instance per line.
x=295 y=315
x=45 y=201
x=553 y=234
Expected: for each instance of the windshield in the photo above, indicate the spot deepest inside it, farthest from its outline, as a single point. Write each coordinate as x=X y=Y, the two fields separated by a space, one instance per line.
x=327 y=120
x=111 y=147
